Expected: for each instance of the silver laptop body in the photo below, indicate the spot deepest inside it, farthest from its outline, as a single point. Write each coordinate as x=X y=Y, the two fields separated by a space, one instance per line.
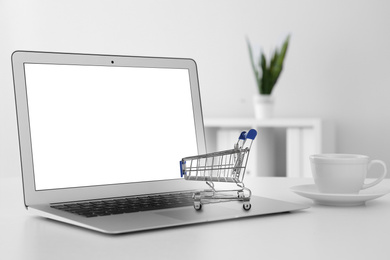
x=107 y=126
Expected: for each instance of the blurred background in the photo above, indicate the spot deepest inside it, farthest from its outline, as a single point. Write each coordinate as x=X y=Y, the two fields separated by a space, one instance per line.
x=337 y=66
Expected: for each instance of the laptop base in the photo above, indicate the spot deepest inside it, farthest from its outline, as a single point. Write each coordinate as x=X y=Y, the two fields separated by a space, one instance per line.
x=157 y=219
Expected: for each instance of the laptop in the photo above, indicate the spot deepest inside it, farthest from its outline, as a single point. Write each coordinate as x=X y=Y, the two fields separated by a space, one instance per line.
x=101 y=129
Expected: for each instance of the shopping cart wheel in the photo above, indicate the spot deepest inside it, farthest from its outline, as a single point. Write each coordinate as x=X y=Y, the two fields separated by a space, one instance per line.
x=197 y=205
x=247 y=206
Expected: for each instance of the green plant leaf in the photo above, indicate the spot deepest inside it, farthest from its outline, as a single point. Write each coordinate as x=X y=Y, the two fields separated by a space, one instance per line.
x=255 y=70
x=278 y=67
x=274 y=59
x=267 y=74
x=264 y=79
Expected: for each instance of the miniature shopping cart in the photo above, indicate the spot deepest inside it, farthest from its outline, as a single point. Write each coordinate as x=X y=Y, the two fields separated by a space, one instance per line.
x=224 y=166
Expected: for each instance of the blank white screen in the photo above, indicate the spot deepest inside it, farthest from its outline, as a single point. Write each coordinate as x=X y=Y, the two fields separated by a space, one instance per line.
x=96 y=125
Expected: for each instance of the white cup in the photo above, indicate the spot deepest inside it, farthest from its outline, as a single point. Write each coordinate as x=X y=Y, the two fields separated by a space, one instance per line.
x=343 y=173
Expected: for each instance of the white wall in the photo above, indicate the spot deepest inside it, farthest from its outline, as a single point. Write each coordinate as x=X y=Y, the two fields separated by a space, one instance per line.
x=337 y=66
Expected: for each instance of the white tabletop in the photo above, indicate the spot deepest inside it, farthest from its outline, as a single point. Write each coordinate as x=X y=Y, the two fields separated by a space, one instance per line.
x=320 y=232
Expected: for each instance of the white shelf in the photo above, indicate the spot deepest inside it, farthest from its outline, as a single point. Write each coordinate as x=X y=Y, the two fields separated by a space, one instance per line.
x=272 y=123
x=304 y=136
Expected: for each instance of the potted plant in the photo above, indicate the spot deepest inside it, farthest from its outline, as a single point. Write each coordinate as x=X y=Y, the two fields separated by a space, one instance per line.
x=266 y=75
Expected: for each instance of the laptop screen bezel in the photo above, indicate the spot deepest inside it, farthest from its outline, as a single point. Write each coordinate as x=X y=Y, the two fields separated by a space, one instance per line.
x=34 y=197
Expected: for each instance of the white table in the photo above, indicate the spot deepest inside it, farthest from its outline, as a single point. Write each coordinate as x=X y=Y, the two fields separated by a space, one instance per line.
x=319 y=232
x=304 y=136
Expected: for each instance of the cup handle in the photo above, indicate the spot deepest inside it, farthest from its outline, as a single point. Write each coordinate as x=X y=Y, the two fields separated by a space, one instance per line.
x=365 y=186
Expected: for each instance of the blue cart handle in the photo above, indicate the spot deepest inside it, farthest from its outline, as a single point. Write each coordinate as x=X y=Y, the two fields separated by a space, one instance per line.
x=242 y=135
x=241 y=140
x=251 y=134
x=181 y=168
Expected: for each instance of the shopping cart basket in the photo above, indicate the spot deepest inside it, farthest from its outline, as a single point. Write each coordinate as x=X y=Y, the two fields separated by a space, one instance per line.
x=223 y=166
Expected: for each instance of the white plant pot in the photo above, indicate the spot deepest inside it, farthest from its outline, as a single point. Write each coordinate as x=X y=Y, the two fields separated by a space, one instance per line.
x=263 y=106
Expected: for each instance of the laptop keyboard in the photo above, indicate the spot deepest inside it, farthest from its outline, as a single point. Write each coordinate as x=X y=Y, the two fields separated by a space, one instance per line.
x=104 y=207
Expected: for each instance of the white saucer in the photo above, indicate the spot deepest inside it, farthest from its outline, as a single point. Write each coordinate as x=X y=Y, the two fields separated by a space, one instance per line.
x=342 y=200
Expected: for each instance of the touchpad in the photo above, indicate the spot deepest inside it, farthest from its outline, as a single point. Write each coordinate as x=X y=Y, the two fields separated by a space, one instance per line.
x=208 y=212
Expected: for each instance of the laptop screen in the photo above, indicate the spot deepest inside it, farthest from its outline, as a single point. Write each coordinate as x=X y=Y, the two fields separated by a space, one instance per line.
x=98 y=125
